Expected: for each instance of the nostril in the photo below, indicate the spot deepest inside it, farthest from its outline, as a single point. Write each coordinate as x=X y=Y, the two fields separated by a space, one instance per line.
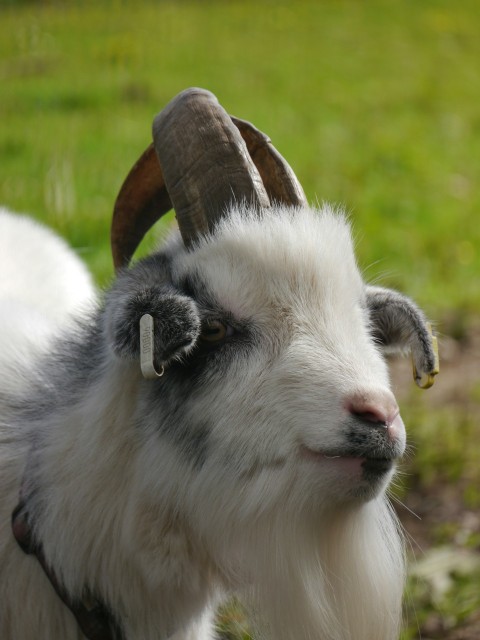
x=371 y=416
x=376 y=414
x=378 y=409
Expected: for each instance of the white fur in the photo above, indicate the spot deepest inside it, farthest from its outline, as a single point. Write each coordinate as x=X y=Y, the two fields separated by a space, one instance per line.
x=43 y=286
x=164 y=539
x=39 y=269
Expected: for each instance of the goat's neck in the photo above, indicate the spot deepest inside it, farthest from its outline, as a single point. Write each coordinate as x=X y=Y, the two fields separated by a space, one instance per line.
x=79 y=473
x=98 y=528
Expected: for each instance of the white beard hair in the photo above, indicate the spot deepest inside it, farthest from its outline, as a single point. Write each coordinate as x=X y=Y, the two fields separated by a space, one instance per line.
x=342 y=579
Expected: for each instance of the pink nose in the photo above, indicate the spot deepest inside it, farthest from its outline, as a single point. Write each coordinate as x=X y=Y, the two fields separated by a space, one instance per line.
x=377 y=407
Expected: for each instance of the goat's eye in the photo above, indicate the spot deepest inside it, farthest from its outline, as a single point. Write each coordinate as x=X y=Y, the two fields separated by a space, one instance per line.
x=215 y=331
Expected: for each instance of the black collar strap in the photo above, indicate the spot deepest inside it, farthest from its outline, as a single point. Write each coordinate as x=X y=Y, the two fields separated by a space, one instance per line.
x=92 y=615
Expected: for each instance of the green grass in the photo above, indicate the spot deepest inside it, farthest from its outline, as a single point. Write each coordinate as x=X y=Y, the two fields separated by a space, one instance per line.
x=447 y=613
x=375 y=104
x=444 y=454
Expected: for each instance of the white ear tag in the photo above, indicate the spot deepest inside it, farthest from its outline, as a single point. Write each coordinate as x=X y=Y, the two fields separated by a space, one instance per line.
x=147 y=362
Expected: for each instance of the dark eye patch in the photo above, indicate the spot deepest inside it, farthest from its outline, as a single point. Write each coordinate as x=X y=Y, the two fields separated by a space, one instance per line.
x=222 y=334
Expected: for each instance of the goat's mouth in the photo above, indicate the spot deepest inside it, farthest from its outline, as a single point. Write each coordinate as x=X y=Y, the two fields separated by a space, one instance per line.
x=372 y=464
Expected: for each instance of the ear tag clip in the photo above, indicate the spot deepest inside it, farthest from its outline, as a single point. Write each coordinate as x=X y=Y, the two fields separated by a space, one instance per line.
x=426 y=379
x=147 y=360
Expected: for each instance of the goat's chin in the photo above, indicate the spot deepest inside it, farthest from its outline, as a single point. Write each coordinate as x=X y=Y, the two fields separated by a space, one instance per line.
x=339 y=483
x=368 y=487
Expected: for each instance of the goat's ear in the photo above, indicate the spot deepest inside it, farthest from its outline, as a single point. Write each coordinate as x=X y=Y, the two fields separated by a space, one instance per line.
x=176 y=321
x=398 y=325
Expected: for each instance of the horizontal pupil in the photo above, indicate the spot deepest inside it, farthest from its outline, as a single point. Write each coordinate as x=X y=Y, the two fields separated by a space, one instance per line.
x=211 y=331
x=214 y=332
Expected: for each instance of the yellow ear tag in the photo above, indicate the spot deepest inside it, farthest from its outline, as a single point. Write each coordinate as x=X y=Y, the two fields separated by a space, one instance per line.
x=147 y=360
x=426 y=379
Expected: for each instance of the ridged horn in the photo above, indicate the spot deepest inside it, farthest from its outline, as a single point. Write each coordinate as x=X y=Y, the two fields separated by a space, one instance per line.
x=280 y=181
x=204 y=161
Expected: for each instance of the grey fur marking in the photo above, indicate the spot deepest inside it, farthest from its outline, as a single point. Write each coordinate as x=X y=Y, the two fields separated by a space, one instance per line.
x=147 y=289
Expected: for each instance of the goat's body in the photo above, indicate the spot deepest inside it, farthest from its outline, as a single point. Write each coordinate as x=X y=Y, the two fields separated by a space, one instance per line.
x=39 y=270
x=43 y=286
x=161 y=497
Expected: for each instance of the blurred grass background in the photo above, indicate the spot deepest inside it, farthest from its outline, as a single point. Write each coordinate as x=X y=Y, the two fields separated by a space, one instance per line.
x=375 y=104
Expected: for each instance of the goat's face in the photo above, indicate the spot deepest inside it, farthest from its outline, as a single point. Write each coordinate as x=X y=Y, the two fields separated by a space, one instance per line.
x=296 y=390
x=274 y=391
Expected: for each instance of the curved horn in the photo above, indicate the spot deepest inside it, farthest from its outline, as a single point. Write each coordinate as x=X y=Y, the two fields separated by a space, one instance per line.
x=141 y=201
x=143 y=197
x=204 y=161
x=278 y=177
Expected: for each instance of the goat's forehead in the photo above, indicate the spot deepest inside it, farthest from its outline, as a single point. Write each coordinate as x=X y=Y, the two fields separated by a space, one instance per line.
x=279 y=259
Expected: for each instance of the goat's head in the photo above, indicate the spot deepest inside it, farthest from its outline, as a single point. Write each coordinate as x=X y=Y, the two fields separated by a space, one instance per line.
x=275 y=384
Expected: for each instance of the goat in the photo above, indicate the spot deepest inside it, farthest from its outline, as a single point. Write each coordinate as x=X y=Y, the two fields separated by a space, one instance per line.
x=44 y=286
x=253 y=454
